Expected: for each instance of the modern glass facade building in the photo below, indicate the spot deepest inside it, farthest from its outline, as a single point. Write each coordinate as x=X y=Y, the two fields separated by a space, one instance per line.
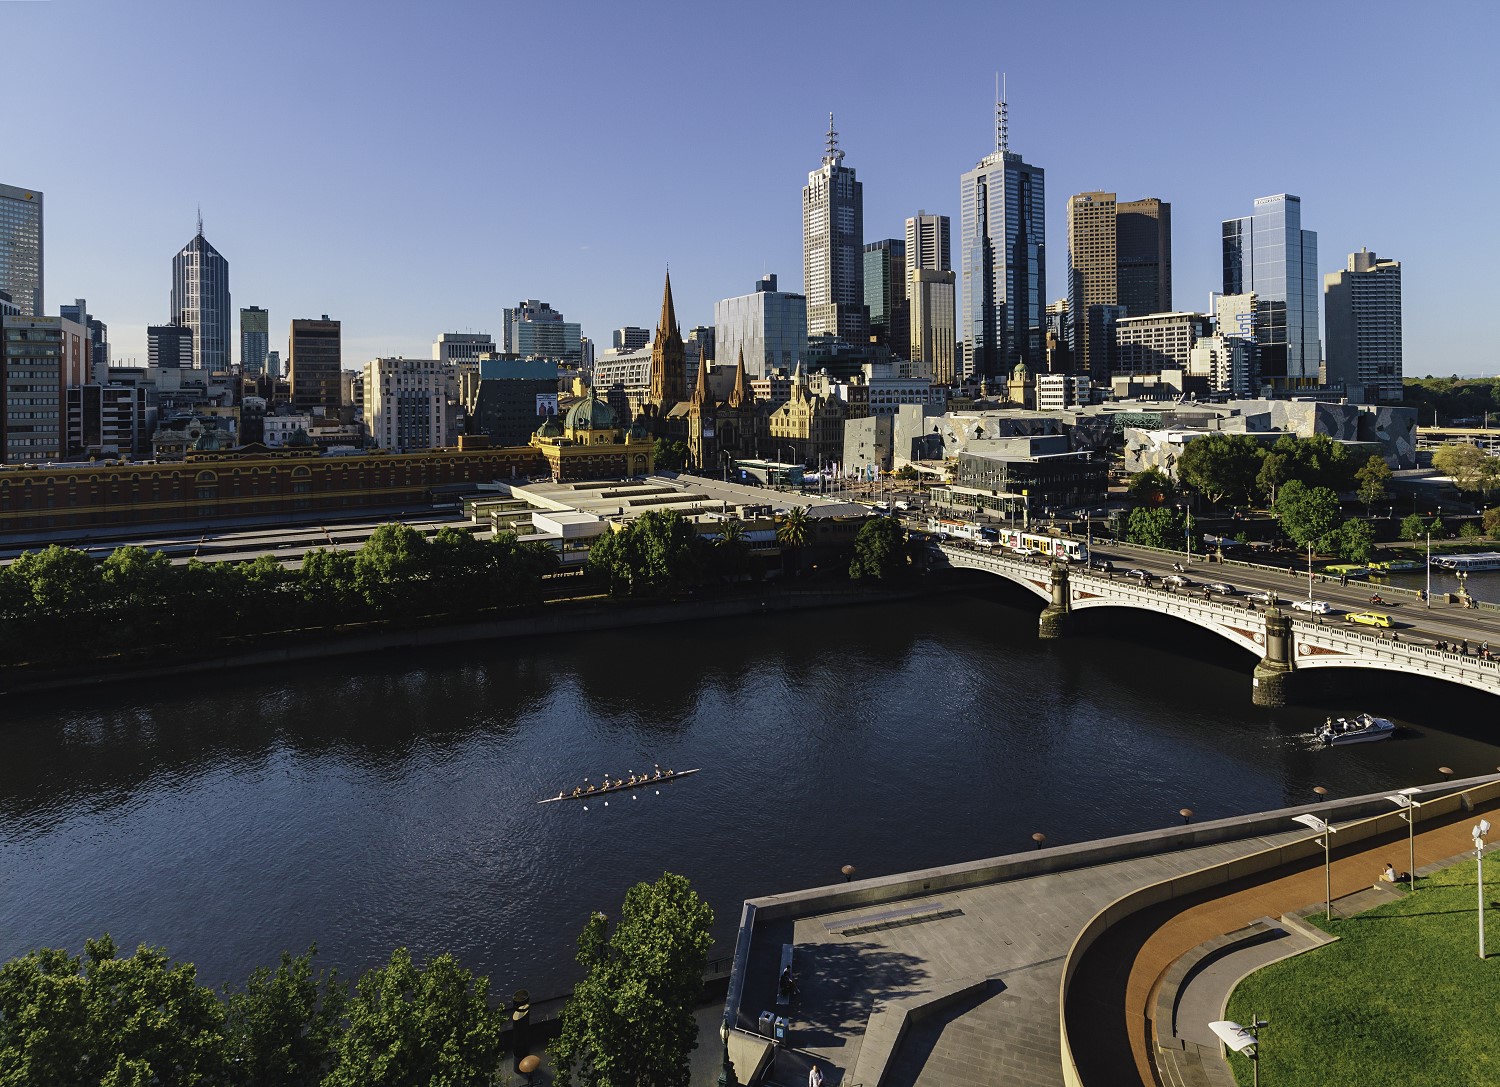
x=1270 y=254
x=1003 y=254
x=200 y=301
x=768 y=326
x=833 y=238
x=885 y=293
x=534 y=330
x=21 y=248
x=255 y=339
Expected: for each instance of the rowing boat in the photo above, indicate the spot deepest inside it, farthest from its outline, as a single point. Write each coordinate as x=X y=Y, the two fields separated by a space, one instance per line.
x=622 y=788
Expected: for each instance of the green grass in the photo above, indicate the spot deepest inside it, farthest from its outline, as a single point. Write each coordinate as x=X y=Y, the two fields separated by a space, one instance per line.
x=1401 y=998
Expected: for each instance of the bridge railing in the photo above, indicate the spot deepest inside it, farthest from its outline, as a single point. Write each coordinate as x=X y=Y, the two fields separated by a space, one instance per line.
x=1447 y=661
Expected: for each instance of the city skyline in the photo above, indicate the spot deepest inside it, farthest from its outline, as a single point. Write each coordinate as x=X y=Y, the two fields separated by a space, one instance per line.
x=594 y=240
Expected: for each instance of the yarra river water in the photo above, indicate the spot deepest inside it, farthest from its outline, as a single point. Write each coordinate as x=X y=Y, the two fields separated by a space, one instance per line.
x=392 y=800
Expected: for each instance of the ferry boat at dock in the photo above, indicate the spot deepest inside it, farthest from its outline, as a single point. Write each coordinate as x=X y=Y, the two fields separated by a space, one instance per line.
x=1470 y=564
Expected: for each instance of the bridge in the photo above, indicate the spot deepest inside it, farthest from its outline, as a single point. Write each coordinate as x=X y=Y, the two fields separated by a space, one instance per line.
x=1284 y=643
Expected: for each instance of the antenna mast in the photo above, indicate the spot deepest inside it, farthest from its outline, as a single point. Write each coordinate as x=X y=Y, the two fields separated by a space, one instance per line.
x=1002 y=133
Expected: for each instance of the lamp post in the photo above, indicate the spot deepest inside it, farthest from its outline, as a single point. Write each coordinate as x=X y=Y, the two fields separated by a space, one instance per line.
x=1407 y=801
x=1327 y=830
x=1481 y=828
x=1309 y=572
x=1039 y=838
x=1429 y=571
x=1243 y=1040
x=1187 y=815
x=847 y=872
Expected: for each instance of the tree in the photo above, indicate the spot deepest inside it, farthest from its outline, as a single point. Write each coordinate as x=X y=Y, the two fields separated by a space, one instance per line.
x=1354 y=540
x=1275 y=469
x=657 y=552
x=1317 y=460
x=98 y=1018
x=1470 y=530
x=669 y=456
x=410 y=1026
x=1491 y=521
x=1307 y=514
x=730 y=556
x=1153 y=487
x=630 y=1020
x=879 y=549
x=1413 y=527
x=1471 y=468
x=1220 y=466
x=389 y=568
x=1437 y=529
x=281 y=1031
x=1372 y=477
x=1160 y=527
x=793 y=532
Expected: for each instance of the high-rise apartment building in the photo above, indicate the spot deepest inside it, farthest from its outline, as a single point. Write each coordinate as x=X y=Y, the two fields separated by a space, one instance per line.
x=533 y=329
x=314 y=366
x=885 y=294
x=405 y=403
x=1003 y=256
x=41 y=358
x=98 y=331
x=1362 y=305
x=1119 y=265
x=200 y=301
x=768 y=326
x=1143 y=251
x=833 y=235
x=169 y=346
x=1270 y=254
x=21 y=248
x=255 y=340
x=453 y=347
x=1157 y=341
x=933 y=324
x=630 y=338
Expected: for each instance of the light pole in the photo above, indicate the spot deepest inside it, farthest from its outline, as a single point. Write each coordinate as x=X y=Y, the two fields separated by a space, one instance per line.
x=1309 y=572
x=1327 y=830
x=1407 y=801
x=1243 y=1040
x=1481 y=828
x=1429 y=571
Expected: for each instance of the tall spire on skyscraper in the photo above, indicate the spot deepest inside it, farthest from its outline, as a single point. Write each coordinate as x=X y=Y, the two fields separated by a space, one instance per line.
x=200 y=221
x=832 y=156
x=1002 y=131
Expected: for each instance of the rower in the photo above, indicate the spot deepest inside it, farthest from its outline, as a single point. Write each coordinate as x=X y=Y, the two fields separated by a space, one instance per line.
x=577 y=791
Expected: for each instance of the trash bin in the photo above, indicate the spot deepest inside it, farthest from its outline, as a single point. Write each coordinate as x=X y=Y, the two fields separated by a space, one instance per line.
x=767 y=1024
x=782 y=1026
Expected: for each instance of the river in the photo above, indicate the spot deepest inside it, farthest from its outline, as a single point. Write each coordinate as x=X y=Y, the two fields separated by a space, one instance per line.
x=392 y=800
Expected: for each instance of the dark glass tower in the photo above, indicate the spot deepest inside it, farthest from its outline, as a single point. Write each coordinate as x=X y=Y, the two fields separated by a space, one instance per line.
x=1270 y=254
x=200 y=301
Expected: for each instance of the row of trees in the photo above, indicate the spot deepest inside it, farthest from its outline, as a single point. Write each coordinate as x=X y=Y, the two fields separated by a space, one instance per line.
x=1239 y=470
x=102 y=1020
x=59 y=603
x=1447 y=398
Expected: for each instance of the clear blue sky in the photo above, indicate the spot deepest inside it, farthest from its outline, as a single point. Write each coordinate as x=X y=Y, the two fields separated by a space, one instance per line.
x=412 y=168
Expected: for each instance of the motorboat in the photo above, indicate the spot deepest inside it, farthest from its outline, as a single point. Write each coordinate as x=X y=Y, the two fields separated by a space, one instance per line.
x=1360 y=729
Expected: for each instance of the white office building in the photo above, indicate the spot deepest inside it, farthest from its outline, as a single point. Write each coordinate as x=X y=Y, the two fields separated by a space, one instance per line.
x=769 y=326
x=405 y=403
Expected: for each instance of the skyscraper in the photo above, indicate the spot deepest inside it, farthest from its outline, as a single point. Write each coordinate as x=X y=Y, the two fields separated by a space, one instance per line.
x=833 y=234
x=255 y=340
x=1269 y=253
x=927 y=243
x=78 y=313
x=1119 y=265
x=200 y=300
x=314 y=366
x=21 y=248
x=170 y=346
x=1362 y=305
x=885 y=293
x=533 y=329
x=933 y=327
x=1003 y=251
x=768 y=328
x=1143 y=251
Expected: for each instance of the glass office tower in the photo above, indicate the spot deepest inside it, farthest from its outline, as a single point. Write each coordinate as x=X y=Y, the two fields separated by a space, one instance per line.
x=21 y=248
x=200 y=301
x=1270 y=254
x=1003 y=244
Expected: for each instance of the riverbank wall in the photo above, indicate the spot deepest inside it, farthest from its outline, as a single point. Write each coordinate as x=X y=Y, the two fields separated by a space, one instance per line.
x=560 y=617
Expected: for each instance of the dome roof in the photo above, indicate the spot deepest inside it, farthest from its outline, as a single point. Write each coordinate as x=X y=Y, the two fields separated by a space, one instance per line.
x=591 y=413
x=550 y=428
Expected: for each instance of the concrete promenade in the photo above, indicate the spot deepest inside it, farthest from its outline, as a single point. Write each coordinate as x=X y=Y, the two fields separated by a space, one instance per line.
x=953 y=977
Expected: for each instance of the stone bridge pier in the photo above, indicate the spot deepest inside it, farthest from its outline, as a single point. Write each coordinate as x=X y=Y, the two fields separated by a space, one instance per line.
x=1273 y=675
x=1056 y=617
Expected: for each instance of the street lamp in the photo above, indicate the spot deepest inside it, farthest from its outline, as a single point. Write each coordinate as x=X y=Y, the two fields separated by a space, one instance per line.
x=1243 y=1040
x=1429 y=571
x=1187 y=815
x=1039 y=838
x=1327 y=830
x=847 y=872
x=1481 y=828
x=1407 y=801
x=1309 y=572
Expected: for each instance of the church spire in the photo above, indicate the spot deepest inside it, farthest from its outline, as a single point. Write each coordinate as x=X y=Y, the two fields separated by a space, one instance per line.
x=668 y=357
x=741 y=394
x=700 y=391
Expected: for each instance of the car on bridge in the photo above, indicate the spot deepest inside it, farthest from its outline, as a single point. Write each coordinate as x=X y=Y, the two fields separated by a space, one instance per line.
x=1369 y=618
x=1223 y=588
x=1261 y=596
x=1177 y=581
x=1024 y=551
x=1144 y=575
x=1313 y=607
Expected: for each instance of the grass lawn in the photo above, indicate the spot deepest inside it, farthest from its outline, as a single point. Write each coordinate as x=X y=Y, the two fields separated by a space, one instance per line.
x=1402 y=997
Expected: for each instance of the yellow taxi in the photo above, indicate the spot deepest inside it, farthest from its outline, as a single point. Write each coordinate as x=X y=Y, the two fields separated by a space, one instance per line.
x=1369 y=618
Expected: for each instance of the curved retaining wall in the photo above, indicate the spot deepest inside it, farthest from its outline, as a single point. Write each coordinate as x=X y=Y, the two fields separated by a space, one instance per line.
x=1379 y=818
